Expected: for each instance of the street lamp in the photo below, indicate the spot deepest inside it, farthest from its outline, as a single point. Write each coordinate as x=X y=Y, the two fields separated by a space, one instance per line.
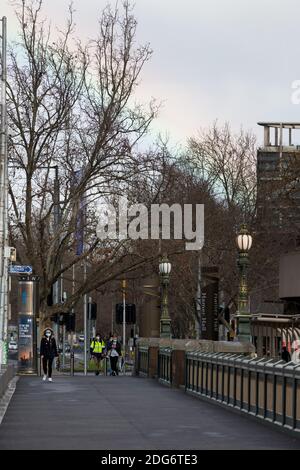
x=165 y=320
x=244 y=243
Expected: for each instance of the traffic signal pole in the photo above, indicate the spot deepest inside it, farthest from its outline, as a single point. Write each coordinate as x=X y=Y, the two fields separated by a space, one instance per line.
x=57 y=286
x=124 y=319
x=85 y=307
x=64 y=338
x=90 y=331
x=3 y=200
x=73 y=310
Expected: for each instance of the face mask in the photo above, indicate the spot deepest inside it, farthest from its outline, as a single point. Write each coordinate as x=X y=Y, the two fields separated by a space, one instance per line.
x=97 y=338
x=48 y=333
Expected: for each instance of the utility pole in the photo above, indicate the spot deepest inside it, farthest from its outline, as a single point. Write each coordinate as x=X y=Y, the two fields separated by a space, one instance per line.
x=85 y=312
x=124 y=318
x=73 y=310
x=64 y=338
x=90 y=300
x=56 y=209
x=112 y=317
x=3 y=200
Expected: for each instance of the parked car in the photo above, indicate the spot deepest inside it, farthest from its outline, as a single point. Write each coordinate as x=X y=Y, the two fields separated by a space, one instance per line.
x=12 y=346
x=81 y=338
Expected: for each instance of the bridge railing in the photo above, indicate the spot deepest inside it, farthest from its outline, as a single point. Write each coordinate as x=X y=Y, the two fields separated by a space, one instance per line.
x=265 y=388
x=165 y=365
x=228 y=374
x=165 y=358
x=143 y=360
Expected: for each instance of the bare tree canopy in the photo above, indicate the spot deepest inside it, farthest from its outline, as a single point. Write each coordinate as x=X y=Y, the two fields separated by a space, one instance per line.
x=73 y=127
x=227 y=162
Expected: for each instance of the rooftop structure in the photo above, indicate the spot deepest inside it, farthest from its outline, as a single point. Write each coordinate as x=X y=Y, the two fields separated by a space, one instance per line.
x=279 y=133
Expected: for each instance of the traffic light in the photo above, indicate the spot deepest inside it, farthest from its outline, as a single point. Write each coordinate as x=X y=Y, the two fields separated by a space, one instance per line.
x=119 y=313
x=227 y=314
x=130 y=313
x=67 y=319
x=70 y=321
x=55 y=318
x=93 y=310
x=11 y=253
x=50 y=298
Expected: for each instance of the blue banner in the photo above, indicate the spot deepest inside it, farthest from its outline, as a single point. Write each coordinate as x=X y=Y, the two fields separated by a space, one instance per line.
x=81 y=216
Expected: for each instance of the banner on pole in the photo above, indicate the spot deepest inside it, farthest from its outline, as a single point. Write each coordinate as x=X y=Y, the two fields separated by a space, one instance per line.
x=81 y=215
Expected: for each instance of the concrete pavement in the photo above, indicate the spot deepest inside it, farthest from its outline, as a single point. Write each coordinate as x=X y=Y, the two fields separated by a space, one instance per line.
x=125 y=413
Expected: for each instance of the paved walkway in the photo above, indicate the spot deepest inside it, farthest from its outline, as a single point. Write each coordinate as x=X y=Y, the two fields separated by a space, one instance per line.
x=125 y=413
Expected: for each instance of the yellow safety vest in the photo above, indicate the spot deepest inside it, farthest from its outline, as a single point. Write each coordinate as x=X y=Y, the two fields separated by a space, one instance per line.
x=97 y=346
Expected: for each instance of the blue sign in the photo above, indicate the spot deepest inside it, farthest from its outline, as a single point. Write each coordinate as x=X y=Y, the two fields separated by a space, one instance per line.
x=17 y=269
x=24 y=297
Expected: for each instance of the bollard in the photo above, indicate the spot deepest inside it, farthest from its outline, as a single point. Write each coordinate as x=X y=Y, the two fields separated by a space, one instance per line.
x=72 y=363
x=39 y=365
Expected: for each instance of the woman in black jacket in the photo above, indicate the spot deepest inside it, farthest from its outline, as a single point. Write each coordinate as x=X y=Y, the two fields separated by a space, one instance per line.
x=114 y=352
x=48 y=352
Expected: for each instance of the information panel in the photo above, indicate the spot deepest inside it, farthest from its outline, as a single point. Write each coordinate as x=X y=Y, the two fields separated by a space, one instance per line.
x=209 y=311
x=26 y=343
x=28 y=310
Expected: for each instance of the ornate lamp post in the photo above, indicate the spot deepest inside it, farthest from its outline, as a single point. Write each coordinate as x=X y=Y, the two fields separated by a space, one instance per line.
x=165 y=320
x=244 y=243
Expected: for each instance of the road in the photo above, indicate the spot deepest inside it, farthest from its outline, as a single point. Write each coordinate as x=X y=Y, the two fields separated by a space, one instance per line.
x=125 y=413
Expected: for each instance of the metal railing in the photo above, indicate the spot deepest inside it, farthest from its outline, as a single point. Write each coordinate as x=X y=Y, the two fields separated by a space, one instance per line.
x=165 y=366
x=143 y=361
x=69 y=366
x=265 y=388
x=72 y=359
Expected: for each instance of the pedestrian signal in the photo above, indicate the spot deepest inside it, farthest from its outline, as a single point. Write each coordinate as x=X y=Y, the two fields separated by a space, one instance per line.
x=130 y=314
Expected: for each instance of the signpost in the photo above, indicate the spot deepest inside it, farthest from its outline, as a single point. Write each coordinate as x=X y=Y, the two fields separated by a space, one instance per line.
x=18 y=269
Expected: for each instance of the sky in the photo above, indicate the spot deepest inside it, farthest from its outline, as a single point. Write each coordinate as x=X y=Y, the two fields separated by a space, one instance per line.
x=225 y=60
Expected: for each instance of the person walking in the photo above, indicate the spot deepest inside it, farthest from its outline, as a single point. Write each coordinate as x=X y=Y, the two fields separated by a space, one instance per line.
x=97 y=348
x=114 y=353
x=48 y=352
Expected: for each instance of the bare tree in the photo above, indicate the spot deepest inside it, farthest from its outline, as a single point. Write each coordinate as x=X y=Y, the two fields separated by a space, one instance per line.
x=70 y=109
x=227 y=162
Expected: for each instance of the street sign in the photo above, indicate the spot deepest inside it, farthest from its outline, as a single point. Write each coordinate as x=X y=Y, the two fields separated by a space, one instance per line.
x=17 y=269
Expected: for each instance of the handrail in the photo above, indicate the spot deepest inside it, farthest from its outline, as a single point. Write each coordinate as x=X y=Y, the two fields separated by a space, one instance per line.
x=264 y=388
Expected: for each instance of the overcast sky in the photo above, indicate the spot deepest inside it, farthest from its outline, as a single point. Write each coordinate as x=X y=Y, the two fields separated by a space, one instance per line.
x=229 y=60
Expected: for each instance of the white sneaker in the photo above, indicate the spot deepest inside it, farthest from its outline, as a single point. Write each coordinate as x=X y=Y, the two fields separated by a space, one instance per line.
x=45 y=378
x=50 y=379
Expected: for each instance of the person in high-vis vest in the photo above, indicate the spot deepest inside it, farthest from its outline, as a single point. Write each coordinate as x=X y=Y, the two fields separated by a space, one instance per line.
x=97 y=348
